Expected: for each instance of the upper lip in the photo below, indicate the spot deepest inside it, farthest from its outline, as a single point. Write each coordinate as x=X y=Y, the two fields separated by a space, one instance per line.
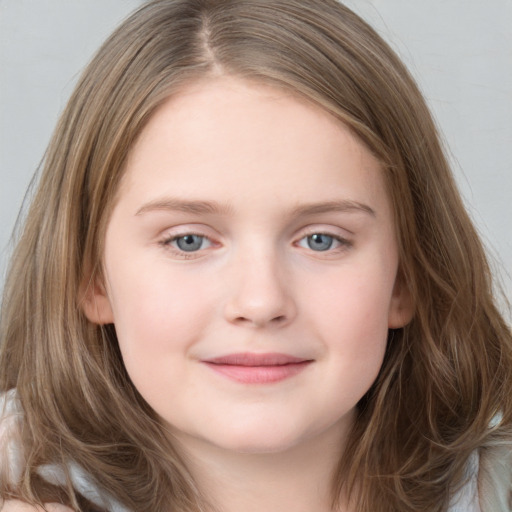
x=253 y=359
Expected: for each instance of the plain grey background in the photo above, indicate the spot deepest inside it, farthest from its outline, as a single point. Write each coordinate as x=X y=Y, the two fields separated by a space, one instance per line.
x=460 y=51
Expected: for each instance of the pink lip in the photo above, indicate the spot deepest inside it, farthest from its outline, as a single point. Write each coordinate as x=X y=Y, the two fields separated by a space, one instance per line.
x=250 y=368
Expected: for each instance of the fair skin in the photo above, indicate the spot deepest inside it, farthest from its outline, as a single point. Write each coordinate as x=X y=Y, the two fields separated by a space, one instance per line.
x=251 y=222
x=250 y=271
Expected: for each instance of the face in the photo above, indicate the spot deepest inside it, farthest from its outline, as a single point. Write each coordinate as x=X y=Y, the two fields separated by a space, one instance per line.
x=250 y=268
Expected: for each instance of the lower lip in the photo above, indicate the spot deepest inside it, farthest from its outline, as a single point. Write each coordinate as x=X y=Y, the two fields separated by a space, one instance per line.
x=259 y=374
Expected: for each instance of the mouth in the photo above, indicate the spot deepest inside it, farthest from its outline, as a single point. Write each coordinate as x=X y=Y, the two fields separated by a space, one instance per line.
x=251 y=368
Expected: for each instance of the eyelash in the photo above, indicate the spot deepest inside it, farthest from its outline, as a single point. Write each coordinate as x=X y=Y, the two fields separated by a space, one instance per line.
x=344 y=244
x=167 y=242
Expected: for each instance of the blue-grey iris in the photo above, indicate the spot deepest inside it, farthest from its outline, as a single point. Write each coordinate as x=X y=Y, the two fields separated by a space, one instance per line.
x=320 y=242
x=189 y=243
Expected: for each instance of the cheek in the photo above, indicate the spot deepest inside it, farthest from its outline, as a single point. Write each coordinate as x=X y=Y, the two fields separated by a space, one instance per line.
x=354 y=300
x=156 y=311
x=157 y=317
x=351 y=316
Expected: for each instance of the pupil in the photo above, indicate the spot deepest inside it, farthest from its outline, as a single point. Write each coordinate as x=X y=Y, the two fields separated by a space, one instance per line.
x=319 y=242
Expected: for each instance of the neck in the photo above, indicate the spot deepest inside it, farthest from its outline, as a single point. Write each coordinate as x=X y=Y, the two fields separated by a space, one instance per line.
x=298 y=479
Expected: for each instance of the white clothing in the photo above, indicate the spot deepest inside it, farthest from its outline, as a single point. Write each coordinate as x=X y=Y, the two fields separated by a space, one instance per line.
x=11 y=465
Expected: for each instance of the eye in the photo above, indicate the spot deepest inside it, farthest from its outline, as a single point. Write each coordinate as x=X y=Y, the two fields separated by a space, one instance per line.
x=189 y=242
x=321 y=242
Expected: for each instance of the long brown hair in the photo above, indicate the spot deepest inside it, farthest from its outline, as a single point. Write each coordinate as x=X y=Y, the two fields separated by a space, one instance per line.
x=446 y=375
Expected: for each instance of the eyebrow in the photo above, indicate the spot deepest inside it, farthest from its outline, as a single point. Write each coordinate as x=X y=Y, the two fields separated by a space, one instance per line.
x=179 y=205
x=215 y=208
x=333 y=206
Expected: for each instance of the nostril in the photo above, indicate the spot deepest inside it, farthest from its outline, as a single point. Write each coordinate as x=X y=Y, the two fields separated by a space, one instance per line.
x=276 y=320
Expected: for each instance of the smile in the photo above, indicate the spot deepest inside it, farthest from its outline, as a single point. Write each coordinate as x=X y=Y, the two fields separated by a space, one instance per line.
x=249 y=368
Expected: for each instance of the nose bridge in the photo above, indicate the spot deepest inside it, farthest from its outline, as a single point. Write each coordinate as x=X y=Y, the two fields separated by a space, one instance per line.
x=260 y=287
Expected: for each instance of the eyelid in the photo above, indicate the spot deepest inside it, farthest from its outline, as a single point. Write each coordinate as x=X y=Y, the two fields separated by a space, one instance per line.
x=172 y=234
x=335 y=232
x=343 y=241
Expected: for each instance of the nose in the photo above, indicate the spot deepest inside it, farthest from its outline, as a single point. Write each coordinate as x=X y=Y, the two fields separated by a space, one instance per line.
x=259 y=293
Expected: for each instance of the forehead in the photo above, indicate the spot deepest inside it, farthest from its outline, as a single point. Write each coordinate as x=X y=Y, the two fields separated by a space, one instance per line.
x=239 y=140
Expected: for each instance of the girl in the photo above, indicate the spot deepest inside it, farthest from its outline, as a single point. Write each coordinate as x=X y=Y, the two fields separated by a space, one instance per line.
x=247 y=282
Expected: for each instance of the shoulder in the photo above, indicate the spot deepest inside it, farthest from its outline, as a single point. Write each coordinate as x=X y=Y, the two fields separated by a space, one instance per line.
x=10 y=413
x=19 y=506
x=11 y=454
x=12 y=462
x=466 y=499
x=11 y=448
x=495 y=477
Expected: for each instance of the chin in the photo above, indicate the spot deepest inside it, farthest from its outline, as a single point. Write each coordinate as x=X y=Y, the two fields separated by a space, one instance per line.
x=262 y=441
